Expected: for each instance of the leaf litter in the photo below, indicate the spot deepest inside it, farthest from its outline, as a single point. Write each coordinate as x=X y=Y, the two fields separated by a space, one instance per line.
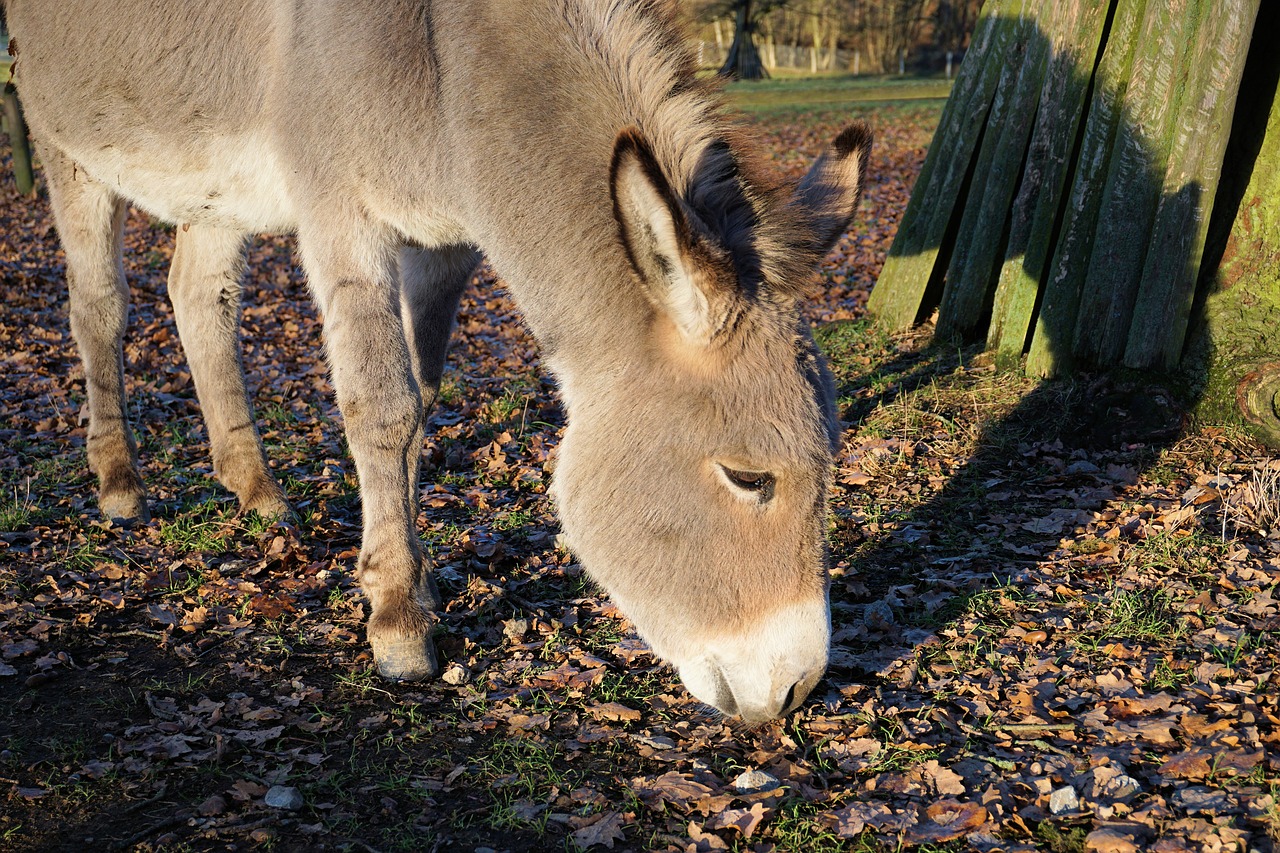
x=1054 y=626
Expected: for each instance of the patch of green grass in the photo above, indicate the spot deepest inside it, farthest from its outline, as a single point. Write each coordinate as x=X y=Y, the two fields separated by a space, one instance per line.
x=513 y=520
x=515 y=769
x=795 y=827
x=451 y=389
x=17 y=509
x=208 y=526
x=1055 y=840
x=1144 y=614
x=783 y=94
x=187 y=683
x=629 y=688
x=514 y=401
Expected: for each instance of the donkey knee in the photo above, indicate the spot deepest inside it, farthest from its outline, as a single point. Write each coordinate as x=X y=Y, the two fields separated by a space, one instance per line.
x=389 y=422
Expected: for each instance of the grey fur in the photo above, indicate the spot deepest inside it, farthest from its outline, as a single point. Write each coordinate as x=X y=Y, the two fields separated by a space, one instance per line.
x=570 y=141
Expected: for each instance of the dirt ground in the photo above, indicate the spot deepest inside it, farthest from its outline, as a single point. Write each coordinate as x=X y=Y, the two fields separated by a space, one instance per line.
x=1052 y=604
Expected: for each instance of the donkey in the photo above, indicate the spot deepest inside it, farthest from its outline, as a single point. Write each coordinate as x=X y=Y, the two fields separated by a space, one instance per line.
x=572 y=142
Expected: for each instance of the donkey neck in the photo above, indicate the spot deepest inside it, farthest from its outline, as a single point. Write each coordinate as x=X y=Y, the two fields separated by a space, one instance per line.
x=537 y=116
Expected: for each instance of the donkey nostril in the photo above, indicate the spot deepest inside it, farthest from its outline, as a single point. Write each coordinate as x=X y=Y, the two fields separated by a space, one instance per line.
x=790 y=697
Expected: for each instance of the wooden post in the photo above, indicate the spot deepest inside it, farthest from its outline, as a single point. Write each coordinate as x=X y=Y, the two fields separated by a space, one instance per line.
x=1076 y=179
x=23 y=175
x=972 y=271
x=1215 y=64
x=1134 y=181
x=1051 y=345
x=911 y=270
x=1036 y=208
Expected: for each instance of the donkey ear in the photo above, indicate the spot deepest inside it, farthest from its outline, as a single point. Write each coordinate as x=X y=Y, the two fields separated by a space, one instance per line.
x=831 y=190
x=682 y=271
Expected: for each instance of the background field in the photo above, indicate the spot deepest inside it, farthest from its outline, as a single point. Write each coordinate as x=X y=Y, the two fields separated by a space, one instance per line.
x=1052 y=604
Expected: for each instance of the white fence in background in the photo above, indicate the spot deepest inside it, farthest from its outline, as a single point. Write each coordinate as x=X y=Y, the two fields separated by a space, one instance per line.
x=802 y=58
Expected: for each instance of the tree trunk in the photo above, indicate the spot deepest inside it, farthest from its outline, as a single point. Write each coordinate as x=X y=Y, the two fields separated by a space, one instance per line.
x=20 y=145
x=1066 y=206
x=743 y=61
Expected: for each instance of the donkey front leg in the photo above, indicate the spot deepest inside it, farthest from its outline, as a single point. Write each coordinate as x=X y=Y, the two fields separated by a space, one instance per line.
x=204 y=284
x=90 y=221
x=354 y=280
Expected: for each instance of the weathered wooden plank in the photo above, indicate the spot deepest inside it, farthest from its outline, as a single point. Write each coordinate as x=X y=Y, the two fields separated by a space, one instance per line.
x=972 y=270
x=1134 y=182
x=1034 y=217
x=896 y=299
x=1051 y=350
x=1213 y=70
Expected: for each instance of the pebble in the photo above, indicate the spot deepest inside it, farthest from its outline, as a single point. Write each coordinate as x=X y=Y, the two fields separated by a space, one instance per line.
x=1064 y=799
x=878 y=616
x=456 y=674
x=1033 y=638
x=515 y=629
x=281 y=797
x=754 y=780
x=212 y=807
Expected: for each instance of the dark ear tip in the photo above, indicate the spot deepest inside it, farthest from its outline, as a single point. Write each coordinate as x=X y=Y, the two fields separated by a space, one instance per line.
x=856 y=137
x=631 y=140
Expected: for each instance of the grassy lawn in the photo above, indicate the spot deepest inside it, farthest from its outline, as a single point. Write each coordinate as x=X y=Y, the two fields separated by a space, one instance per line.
x=799 y=94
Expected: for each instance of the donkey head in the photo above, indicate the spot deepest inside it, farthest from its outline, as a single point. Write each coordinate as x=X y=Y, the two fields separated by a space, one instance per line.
x=692 y=481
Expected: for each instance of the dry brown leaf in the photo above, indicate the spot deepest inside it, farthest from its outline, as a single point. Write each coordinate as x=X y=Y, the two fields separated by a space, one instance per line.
x=604 y=830
x=613 y=711
x=743 y=820
x=947 y=820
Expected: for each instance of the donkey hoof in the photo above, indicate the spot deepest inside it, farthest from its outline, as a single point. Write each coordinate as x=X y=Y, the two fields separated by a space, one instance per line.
x=406 y=659
x=124 y=509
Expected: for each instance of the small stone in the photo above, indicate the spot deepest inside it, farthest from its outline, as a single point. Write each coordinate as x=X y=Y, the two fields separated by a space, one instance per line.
x=515 y=629
x=878 y=616
x=755 y=780
x=1124 y=787
x=1064 y=800
x=262 y=836
x=1034 y=638
x=456 y=674
x=1197 y=799
x=212 y=807
x=281 y=797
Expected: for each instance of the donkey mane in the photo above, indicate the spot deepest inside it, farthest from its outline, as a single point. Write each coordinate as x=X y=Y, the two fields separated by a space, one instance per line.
x=710 y=157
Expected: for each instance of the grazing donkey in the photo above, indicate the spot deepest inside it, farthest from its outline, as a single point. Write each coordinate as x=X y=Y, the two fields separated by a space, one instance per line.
x=571 y=141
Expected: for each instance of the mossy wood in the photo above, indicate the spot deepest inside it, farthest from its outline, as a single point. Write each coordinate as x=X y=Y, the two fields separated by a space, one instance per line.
x=1236 y=340
x=1064 y=205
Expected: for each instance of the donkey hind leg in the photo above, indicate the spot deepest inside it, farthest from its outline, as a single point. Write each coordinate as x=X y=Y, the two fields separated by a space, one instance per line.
x=204 y=284
x=90 y=221
x=431 y=283
x=353 y=277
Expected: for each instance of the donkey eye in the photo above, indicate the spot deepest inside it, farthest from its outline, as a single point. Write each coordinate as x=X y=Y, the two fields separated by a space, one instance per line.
x=760 y=482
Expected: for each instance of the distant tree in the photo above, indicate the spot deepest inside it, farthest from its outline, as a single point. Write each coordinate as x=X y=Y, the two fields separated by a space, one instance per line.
x=743 y=60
